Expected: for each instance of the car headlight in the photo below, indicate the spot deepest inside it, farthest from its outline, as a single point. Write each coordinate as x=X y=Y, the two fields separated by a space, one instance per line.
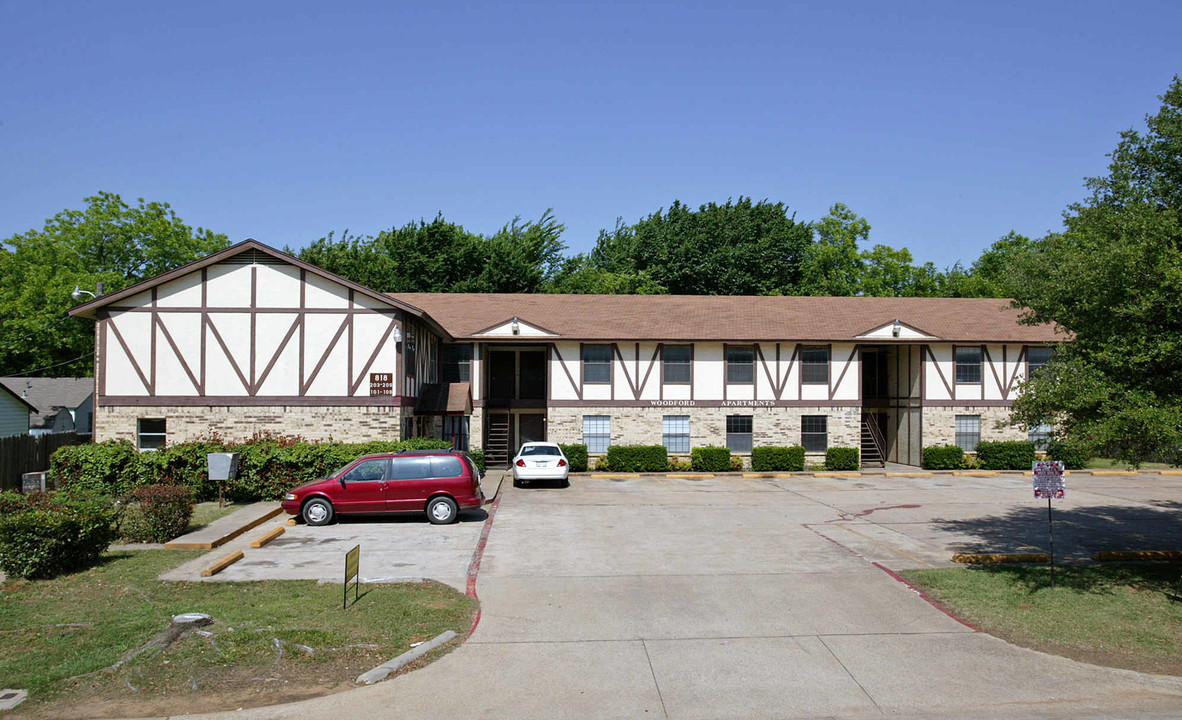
x=290 y=496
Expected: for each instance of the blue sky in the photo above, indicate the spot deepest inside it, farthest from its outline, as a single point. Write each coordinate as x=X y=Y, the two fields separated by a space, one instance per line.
x=945 y=124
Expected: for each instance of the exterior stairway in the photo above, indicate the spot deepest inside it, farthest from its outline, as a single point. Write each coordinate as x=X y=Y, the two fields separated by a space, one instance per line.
x=872 y=444
x=496 y=448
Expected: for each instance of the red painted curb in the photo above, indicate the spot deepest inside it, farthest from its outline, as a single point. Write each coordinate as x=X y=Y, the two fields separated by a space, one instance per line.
x=923 y=595
x=477 y=556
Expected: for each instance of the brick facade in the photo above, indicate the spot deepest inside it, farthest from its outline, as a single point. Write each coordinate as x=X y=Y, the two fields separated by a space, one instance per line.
x=346 y=424
x=939 y=424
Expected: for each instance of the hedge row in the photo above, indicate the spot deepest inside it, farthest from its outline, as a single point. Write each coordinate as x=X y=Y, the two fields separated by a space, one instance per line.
x=637 y=458
x=943 y=457
x=156 y=513
x=1074 y=457
x=45 y=536
x=267 y=466
x=842 y=458
x=770 y=459
x=576 y=455
x=710 y=458
x=1005 y=455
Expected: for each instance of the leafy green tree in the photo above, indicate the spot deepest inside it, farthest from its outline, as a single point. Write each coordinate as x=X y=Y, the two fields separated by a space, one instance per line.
x=833 y=263
x=108 y=241
x=990 y=275
x=1113 y=279
x=887 y=272
x=580 y=276
x=441 y=256
x=740 y=248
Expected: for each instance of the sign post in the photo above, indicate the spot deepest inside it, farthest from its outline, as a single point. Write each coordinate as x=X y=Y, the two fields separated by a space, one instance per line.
x=1049 y=483
x=352 y=564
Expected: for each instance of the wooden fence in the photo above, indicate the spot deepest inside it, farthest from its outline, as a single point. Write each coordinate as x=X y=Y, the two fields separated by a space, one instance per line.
x=21 y=454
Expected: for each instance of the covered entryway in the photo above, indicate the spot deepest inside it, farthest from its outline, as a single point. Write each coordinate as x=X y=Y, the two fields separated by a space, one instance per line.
x=516 y=400
x=892 y=405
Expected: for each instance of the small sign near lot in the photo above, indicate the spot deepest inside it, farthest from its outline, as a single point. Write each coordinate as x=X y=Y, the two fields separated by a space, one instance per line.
x=381 y=384
x=352 y=565
x=1049 y=479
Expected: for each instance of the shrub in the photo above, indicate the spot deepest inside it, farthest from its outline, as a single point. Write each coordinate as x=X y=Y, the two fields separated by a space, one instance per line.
x=157 y=513
x=478 y=458
x=107 y=467
x=12 y=502
x=1005 y=454
x=736 y=463
x=680 y=465
x=943 y=457
x=577 y=456
x=769 y=459
x=637 y=458
x=601 y=463
x=1073 y=455
x=710 y=459
x=842 y=458
x=48 y=541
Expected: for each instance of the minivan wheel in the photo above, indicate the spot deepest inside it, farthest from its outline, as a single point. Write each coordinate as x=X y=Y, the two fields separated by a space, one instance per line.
x=442 y=510
x=317 y=511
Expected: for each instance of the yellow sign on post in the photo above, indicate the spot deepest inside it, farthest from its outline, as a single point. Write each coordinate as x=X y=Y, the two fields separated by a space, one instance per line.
x=352 y=564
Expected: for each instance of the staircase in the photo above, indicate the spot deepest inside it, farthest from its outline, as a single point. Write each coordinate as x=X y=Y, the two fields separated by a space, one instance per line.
x=872 y=443
x=496 y=448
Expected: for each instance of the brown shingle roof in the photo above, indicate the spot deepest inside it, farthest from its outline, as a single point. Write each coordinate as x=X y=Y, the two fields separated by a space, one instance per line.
x=728 y=318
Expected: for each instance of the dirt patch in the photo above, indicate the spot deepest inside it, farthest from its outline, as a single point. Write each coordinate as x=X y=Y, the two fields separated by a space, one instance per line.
x=177 y=691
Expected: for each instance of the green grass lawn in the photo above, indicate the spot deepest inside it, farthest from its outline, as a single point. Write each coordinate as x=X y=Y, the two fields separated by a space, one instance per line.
x=206 y=512
x=76 y=625
x=1110 y=464
x=1122 y=615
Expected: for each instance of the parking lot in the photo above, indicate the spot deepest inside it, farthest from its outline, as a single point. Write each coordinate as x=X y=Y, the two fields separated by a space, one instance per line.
x=755 y=597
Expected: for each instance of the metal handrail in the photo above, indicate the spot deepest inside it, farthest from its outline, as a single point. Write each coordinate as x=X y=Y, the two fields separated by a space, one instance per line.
x=875 y=437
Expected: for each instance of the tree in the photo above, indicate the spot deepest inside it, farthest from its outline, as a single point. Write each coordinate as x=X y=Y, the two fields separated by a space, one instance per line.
x=441 y=256
x=833 y=264
x=580 y=276
x=992 y=274
x=1113 y=279
x=740 y=248
x=108 y=242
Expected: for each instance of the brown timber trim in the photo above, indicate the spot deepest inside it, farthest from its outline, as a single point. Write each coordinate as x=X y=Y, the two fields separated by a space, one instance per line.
x=834 y=386
x=254 y=388
x=254 y=317
x=130 y=357
x=204 y=318
x=225 y=349
x=152 y=346
x=373 y=356
x=176 y=351
x=255 y=401
x=577 y=386
x=323 y=358
x=682 y=404
x=164 y=309
x=101 y=369
x=986 y=356
x=936 y=364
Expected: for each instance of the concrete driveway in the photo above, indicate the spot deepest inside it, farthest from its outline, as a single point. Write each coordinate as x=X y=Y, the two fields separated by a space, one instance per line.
x=748 y=598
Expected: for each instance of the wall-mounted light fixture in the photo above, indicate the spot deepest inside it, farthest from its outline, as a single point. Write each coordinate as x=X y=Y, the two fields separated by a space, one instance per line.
x=896 y=329
x=397 y=335
x=516 y=327
x=79 y=292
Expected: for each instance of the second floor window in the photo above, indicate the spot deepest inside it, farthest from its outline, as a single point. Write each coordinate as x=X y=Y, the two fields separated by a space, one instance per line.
x=455 y=363
x=814 y=365
x=740 y=364
x=675 y=364
x=968 y=364
x=597 y=363
x=1036 y=357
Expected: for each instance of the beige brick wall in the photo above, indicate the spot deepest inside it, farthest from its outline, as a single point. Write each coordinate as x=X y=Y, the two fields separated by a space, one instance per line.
x=939 y=424
x=643 y=426
x=345 y=424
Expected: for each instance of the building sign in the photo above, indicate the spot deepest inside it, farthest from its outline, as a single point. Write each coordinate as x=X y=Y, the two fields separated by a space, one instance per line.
x=381 y=384
x=1049 y=479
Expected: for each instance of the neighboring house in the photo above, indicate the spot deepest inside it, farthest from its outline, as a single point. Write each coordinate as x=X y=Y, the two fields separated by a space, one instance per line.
x=14 y=413
x=59 y=404
x=250 y=339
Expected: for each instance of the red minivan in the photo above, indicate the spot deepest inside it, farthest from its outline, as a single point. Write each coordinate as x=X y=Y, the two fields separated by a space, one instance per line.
x=437 y=482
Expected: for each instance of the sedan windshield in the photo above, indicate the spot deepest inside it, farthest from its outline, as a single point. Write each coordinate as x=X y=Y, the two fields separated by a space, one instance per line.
x=540 y=450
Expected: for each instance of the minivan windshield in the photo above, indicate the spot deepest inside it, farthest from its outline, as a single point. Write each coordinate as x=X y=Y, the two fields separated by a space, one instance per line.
x=539 y=450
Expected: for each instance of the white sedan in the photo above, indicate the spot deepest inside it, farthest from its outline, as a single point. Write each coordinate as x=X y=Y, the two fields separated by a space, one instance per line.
x=540 y=461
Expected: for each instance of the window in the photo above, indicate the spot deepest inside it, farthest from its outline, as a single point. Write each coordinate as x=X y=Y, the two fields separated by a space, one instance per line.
x=456 y=363
x=150 y=433
x=738 y=433
x=676 y=433
x=814 y=433
x=1036 y=357
x=1040 y=435
x=597 y=363
x=968 y=432
x=740 y=364
x=455 y=429
x=540 y=451
x=411 y=468
x=814 y=365
x=446 y=466
x=675 y=364
x=410 y=357
x=367 y=471
x=597 y=432
x=968 y=364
